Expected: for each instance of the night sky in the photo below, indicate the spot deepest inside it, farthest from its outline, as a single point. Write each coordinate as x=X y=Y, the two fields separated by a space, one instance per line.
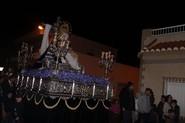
x=117 y=29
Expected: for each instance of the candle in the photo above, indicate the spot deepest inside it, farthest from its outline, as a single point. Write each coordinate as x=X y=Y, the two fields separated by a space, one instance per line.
x=102 y=55
x=107 y=93
x=112 y=58
x=40 y=83
x=109 y=56
x=27 y=79
x=31 y=49
x=22 y=80
x=94 y=87
x=33 y=81
x=106 y=55
x=83 y=70
x=18 y=77
x=73 y=87
x=112 y=92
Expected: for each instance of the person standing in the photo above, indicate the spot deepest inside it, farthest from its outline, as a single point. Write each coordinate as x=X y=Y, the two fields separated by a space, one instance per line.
x=173 y=113
x=18 y=109
x=144 y=107
x=167 y=108
x=160 y=109
x=127 y=102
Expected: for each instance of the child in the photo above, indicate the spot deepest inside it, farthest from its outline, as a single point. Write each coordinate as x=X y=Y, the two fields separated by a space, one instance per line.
x=114 y=111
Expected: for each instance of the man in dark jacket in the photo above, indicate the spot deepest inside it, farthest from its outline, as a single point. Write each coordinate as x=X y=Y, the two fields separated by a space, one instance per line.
x=127 y=102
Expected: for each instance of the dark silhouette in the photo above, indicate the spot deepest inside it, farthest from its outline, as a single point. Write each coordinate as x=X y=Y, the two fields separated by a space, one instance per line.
x=127 y=102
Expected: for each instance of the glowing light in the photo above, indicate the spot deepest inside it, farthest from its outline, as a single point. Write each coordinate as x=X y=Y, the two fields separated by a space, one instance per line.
x=1 y=68
x=40 y=27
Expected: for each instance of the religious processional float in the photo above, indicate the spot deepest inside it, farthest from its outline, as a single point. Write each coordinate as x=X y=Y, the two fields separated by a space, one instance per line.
x=57 y=75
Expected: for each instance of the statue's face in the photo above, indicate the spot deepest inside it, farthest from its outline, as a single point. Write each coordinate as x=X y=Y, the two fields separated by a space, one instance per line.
x=64 y=28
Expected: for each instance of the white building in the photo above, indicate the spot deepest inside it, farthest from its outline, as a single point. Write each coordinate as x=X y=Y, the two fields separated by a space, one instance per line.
x=162 y=62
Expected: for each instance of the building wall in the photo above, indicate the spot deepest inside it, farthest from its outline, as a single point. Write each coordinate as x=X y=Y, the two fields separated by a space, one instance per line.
x=157 y=65
x=153 y=75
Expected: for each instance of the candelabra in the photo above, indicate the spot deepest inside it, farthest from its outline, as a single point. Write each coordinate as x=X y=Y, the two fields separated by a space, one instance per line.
x=25 y=55
x=107 y=59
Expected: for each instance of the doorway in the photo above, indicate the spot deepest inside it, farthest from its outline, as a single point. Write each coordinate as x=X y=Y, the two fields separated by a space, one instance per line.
x=176 y=87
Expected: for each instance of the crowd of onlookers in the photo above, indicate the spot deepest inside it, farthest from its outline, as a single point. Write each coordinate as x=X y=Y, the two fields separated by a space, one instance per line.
x=11 y=107
x=140 y=108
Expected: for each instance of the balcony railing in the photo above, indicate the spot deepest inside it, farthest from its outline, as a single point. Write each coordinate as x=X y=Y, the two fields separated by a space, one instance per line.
x=167 y=30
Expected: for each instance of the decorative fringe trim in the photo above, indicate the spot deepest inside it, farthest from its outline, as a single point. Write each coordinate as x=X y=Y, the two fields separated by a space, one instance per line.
x=29 y=98
x=53 y=106
x=91 y=108
x=38 y=102
x=72 y=108
x=104 y=105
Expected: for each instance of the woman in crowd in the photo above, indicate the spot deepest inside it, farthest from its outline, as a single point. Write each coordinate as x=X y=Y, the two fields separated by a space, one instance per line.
x=167 y=108
x=173 y=113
